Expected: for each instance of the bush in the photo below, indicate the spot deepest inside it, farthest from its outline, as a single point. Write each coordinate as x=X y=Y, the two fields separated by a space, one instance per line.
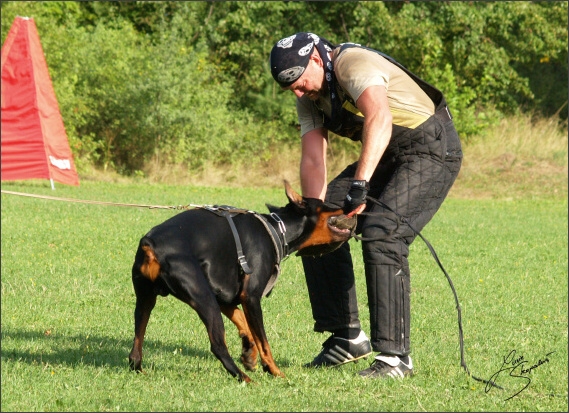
x=189 y=81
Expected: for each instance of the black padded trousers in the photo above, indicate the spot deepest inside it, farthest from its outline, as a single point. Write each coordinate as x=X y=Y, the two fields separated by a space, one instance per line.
x=413 y=178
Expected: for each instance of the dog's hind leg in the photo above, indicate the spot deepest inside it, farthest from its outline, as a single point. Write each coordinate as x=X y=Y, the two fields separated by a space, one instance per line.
x=249 y=349
x=145 y=302
x=190 y=286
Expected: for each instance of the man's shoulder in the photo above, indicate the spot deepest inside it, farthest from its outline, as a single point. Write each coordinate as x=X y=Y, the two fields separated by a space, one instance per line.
x=359 y=57
x=355 y=50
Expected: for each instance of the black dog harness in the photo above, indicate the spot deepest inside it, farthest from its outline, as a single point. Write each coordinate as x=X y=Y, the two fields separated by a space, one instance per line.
x=280 y=244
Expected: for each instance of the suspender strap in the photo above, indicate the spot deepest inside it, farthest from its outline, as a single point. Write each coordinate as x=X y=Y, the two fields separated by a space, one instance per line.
x=435 y=94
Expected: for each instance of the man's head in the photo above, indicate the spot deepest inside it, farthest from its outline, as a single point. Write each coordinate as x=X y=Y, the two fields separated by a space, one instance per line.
x=296 y=66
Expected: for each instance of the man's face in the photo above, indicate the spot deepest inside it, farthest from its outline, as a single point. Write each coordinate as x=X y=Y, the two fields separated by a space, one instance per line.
x=311 y=82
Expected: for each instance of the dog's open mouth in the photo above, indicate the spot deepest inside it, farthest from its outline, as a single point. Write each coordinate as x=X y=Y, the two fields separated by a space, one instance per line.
x=342 y=224
x=341 y=228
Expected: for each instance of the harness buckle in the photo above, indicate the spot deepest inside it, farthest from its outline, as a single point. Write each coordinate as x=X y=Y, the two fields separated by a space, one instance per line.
x=244 y=264
x=282 y=229
x=279 y=222
x=448 y=112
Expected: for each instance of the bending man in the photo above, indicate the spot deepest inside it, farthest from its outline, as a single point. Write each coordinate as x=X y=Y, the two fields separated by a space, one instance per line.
x=410 y=157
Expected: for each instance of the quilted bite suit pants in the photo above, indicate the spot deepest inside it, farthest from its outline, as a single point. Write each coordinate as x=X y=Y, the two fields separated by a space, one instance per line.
x=413 y=178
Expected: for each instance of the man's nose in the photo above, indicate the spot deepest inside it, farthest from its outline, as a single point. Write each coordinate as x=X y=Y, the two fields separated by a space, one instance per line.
x=298 y=93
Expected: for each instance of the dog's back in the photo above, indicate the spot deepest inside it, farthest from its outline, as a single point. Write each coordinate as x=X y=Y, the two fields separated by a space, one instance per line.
x=202 y=241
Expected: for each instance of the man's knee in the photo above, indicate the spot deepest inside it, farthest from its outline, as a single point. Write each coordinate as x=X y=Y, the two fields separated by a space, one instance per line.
x=386 y=245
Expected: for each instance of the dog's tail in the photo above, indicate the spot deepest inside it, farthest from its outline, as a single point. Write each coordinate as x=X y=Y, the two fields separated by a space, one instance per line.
x=150 y=267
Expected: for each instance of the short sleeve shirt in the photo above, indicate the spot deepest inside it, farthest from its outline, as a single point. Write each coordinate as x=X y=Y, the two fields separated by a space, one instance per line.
x=356 y=69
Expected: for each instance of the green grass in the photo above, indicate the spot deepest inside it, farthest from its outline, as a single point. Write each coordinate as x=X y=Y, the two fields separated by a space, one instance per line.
x=67 y=312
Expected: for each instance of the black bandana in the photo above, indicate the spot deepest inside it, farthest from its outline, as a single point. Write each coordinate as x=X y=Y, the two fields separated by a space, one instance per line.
x=289 y=59
x=290 y=56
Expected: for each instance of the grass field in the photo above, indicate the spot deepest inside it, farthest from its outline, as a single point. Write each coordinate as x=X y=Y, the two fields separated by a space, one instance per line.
x=67 y=312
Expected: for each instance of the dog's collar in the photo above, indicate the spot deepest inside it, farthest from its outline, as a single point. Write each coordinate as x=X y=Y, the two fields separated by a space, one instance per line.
x=281 y=247
x=279 y=240
x=282 y=229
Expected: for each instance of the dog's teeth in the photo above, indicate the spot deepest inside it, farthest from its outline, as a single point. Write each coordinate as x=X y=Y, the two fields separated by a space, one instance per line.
x=342 y=222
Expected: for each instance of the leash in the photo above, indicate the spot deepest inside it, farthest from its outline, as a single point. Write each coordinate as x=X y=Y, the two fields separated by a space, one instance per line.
x=283 y=230
x=281 y=247
x=84 y=201
x=438 y=261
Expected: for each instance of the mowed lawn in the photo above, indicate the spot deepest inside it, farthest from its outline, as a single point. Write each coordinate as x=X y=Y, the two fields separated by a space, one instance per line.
x=67 y=312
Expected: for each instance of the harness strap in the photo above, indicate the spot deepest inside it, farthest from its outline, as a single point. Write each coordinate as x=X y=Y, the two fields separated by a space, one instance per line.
x=240 y=255
x=228 y=212
x=279 y=250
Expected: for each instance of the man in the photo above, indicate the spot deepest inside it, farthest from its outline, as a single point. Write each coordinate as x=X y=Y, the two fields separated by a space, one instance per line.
x=410 y=157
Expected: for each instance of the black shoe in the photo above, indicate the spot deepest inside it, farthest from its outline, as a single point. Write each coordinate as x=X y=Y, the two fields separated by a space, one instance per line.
x=389 y=366
x=337 y=351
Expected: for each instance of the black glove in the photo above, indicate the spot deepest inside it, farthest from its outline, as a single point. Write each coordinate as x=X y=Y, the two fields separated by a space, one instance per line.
x=356 y=195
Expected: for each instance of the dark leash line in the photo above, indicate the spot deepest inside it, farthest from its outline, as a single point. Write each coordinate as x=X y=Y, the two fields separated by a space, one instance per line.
x=401 y=218
x=438 y=261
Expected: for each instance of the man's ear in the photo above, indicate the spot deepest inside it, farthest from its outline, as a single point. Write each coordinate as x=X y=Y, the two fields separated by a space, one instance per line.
x=315 y=56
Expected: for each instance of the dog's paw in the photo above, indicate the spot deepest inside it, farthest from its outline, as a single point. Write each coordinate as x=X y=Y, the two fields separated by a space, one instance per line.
x=248 y=362
x=274 y=371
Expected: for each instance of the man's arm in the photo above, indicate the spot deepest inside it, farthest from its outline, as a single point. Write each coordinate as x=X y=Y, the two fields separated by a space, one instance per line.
x=375 y=137
x=313 y=176
x=376 y=130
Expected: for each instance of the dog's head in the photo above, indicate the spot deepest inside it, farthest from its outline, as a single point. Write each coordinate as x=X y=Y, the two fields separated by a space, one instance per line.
x=313 y=227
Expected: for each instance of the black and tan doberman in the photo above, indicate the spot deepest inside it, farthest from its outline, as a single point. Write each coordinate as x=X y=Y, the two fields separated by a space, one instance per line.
x=217 y=258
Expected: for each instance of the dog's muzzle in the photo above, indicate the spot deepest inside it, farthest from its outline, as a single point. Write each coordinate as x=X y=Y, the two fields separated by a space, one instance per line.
x=343 y=224
x=341 y=229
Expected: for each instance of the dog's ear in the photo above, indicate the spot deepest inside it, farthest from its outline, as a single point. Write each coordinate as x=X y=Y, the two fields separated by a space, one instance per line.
x=293 y=196
x=272 y=208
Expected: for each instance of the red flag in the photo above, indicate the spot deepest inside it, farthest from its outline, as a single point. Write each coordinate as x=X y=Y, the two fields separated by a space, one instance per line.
x=34 y=141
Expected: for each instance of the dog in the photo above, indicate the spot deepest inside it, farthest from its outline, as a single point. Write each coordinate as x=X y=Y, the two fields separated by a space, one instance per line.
x=217 y=258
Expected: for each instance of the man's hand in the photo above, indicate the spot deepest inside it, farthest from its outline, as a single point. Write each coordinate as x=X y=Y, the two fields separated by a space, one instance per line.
x=357 y=211
x=356 y=198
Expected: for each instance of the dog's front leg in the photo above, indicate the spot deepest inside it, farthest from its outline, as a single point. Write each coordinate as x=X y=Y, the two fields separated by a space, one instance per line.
x=249 y=349
x=254 y=316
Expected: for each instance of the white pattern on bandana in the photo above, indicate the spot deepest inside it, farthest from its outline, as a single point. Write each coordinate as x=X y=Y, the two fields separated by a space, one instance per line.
x=288 y=75
x=306 y=49
x=314 y=37
x=286 y=42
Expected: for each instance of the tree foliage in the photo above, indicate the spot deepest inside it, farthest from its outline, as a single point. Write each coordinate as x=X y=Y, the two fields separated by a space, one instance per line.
x=189 y=81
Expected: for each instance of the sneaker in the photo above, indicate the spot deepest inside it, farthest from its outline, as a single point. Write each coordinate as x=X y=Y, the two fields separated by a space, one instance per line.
x=389 y=366
x=337 y=351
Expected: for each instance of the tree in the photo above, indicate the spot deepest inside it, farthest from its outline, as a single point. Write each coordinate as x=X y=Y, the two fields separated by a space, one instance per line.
x=190 y=81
